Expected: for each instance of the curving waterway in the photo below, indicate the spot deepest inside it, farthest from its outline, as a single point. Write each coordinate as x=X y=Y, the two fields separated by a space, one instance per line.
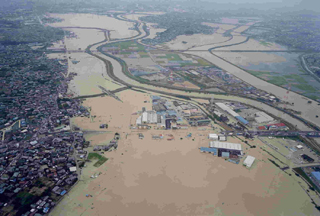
x=115 y=72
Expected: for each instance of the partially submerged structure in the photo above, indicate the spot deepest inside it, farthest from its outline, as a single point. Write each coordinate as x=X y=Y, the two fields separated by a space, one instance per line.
x=232 y=148
x=249 y=161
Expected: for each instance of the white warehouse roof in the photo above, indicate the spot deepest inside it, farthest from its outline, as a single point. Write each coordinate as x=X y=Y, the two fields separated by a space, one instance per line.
x=225 y=145
x=299 y=146
x=139 y=120
x=263 y=117
x=249 y=161
x=145 y=117
x=227 y=109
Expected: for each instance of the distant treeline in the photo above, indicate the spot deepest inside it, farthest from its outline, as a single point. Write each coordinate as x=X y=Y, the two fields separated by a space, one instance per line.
x=296 y=31
x=178 y=24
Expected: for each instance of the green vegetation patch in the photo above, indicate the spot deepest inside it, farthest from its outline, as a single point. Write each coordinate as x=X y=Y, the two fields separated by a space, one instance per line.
x=305 y=87
x=296 y=77
x=278 y=80
x=125 y=53
x=203 y=62
x=314 y=97
x=258 y=73
x=26 y=198
x=265 y=43
x=101 y=159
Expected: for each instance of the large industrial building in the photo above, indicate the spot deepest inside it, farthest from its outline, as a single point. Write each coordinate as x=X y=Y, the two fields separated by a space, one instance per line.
x=232 y=148
x=148 y=117
x=262 y=117
x=233 y=113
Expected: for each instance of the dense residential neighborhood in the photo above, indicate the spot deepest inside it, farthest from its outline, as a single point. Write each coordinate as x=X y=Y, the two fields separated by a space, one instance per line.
x=38 y=149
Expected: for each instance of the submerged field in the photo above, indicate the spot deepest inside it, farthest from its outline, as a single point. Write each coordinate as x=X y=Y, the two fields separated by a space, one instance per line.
x=282 y=69
x=152 y=177
x=161 y=177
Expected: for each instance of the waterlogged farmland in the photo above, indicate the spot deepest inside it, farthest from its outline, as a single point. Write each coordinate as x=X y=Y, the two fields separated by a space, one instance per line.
x=279 y=68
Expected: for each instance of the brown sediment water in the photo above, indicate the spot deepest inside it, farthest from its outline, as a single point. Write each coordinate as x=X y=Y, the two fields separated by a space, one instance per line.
x=161 y=177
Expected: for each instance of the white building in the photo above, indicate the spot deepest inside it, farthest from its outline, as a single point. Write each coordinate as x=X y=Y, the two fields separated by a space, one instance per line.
x=213 y=136
x=249 y=161
x=222 y=137
x=262 y=117
x=144 y=117
x=139 y=120
x=225 y=145
x=217 y=113
x=152 y=117
x=299 y=147
x=227 y=109
x=162 y=122
x=149 y=117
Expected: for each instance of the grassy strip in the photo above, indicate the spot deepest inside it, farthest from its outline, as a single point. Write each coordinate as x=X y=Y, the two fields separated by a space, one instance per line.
x=203 y=62
x=278 y=80
x=297 y=78
x=101 y=159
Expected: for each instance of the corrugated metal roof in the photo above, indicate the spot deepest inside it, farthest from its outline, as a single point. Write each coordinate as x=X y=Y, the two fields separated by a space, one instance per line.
x=241 y=119
x=225 y=145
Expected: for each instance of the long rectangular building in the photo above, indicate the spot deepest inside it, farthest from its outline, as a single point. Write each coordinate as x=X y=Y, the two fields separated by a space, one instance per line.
x=227 y=109
x=233 y=113
x=262 y=117
x=225 y=145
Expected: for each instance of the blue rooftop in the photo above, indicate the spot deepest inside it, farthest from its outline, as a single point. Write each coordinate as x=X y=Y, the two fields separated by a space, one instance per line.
x=206 y=149
x=316 y=175
x=155 y=97
x=242 y=120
